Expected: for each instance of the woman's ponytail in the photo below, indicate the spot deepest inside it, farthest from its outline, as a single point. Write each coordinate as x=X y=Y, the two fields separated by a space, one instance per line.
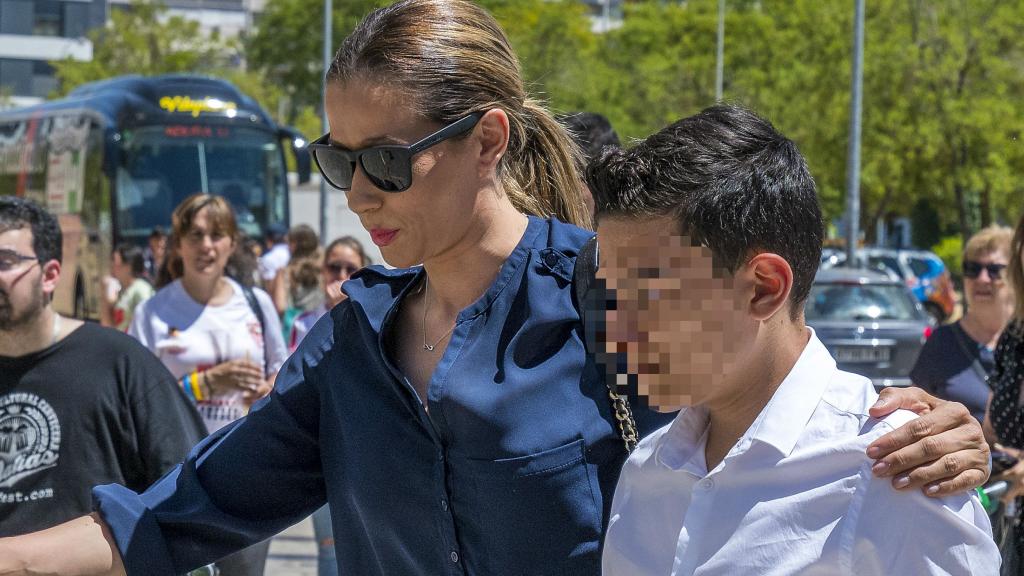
x=543 y=173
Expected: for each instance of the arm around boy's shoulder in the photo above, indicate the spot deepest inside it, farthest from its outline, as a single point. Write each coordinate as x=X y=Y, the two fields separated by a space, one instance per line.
x=906 y=532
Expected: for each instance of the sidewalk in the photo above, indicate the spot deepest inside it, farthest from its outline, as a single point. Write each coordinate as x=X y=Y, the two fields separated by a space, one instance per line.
x=293 y=552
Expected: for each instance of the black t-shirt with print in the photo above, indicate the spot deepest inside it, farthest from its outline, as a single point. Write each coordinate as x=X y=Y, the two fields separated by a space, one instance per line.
x=95 y=408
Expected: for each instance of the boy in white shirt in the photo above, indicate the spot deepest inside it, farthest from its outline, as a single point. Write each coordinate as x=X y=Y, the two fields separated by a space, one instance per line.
x=710 y=235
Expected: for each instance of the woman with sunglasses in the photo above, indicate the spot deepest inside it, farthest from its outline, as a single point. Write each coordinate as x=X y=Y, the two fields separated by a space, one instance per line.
x=448 y=412
x=955 y=361
x=343 y=257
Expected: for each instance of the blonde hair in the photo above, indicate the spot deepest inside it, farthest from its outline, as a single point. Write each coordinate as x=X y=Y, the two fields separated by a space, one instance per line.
x=1016 y=269
x=994 y=238
x=452 y=58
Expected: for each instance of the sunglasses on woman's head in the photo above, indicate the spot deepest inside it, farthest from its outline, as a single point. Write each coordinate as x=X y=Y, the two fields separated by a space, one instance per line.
x=388 y=167
x=973 y=269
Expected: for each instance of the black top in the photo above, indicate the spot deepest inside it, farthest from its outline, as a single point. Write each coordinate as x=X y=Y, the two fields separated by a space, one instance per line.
x=954 y=366
x=94 y=408
x=1007 y=414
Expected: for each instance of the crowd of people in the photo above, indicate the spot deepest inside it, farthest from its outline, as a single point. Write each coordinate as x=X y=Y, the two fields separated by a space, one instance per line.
x=469 y=411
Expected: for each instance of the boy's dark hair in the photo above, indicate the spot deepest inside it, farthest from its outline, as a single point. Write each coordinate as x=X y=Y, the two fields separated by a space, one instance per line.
x=157 y=232
x=47 y=240
x=133 y=257
x=591 y=131
x=735 y=184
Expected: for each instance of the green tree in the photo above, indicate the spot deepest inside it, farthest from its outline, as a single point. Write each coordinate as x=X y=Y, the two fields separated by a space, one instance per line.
x=143 y=39
x=286 y=47
x=554 y=44
x=942 y=122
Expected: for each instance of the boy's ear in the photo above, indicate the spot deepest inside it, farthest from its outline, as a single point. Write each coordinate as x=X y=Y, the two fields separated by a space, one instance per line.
x=772 y=280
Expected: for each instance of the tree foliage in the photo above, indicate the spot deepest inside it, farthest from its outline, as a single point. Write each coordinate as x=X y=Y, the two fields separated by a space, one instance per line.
x=143 y=39
x=943 y=114
x=286 y=47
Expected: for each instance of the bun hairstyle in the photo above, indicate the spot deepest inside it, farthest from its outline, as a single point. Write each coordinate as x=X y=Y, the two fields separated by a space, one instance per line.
x=733 y=182
x=451 y=58
x=618 y=180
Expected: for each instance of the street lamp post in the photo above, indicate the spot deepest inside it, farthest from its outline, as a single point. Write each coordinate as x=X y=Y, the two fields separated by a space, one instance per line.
x=720 y=53
x=853 y=153
x=325 y=126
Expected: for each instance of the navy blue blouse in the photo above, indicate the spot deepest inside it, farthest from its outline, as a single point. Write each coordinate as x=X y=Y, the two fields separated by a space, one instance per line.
x=512 y=471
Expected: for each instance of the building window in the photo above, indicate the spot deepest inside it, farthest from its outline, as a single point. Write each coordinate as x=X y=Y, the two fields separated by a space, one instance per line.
x=47 y=19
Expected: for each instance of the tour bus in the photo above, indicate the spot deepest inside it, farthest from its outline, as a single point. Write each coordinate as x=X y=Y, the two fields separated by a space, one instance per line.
x=115 y=157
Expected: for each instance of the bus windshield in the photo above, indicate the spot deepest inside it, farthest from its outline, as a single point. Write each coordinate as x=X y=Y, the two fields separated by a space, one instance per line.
x=163 y=165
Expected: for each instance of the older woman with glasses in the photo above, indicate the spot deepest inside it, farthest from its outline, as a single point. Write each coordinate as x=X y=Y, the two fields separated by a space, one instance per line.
x=956 y=361
x=449 y=413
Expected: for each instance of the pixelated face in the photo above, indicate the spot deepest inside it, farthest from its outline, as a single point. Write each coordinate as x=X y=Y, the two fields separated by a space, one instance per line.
x=676 y=320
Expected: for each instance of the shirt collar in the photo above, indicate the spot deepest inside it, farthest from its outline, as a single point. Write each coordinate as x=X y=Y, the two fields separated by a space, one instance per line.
x=785 y=417
x=779 y=424
x=683 y=440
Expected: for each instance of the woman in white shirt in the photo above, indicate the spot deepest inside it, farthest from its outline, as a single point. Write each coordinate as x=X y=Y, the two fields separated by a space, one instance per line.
x=223 y=345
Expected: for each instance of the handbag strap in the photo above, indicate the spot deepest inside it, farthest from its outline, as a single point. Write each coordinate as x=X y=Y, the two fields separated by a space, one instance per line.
x=583 y=275
x=959 y=334
x=250 y=297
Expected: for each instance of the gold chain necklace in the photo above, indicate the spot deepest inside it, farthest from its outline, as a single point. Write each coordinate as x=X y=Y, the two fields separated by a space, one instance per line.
x=426 y=306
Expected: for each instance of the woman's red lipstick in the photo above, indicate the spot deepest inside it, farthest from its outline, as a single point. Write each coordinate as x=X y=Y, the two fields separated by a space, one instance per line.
x=383 y=236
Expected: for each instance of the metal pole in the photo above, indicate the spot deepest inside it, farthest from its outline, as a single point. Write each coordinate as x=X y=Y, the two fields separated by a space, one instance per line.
x=606 y=15
x=853 y=153
x=720 y=54
x=324 y=124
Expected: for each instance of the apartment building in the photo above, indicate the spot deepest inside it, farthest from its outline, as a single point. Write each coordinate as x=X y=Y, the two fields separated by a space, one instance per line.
x=33 y=32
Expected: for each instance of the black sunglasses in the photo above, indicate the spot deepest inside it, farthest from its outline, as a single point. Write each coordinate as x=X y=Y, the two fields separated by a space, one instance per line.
x=388 y=167
x=334 y=268
x=973 y=269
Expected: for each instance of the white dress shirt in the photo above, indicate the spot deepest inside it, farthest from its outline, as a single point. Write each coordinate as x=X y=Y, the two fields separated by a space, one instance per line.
x=795 y=495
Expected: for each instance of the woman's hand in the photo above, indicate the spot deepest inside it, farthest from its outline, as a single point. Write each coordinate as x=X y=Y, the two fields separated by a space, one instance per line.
x=942 y=451
x=232 y=376
x=260 y=391
x=1014 y=476
x=334 y=294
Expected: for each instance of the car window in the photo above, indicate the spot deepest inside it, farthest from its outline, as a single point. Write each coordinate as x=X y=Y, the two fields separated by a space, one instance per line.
x=888 y=262
x=919 y=266
x=829 y=301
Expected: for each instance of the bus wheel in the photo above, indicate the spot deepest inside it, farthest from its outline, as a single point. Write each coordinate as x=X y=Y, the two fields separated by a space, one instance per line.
x=79 y=308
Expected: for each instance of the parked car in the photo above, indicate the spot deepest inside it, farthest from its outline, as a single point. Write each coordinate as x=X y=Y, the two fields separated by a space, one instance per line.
x=922 y=271
x=870 y=322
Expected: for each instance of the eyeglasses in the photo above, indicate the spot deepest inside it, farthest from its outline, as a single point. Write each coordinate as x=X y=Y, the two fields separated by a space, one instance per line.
x=973 y=269
x=336 y=269
x=9 y=259
x=388 y=167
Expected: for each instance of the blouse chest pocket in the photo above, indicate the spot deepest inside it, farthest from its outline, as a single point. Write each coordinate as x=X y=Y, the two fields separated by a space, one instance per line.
x=534 y=514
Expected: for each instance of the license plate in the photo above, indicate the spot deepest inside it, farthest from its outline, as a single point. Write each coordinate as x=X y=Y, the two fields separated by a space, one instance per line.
x=863 y=354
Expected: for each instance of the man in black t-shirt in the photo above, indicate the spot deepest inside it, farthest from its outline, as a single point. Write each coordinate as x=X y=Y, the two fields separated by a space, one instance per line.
x=80 y=405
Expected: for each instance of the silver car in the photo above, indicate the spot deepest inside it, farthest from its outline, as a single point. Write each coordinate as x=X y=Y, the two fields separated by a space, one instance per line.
x=870 y=322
